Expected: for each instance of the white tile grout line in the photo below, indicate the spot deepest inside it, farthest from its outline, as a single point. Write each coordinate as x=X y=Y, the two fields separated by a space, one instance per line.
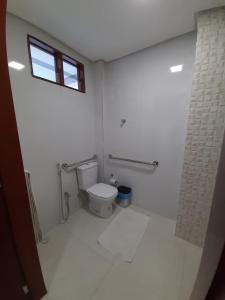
x=107 y=273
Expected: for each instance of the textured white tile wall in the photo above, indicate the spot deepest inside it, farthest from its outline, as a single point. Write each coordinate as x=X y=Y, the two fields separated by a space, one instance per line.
x=205 y=128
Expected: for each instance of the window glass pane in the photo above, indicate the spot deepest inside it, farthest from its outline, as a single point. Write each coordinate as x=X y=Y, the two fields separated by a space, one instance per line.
x=43 y=64
x=70 y=75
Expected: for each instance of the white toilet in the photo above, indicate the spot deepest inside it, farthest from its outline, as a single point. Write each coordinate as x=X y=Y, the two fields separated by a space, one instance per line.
x=101 y=195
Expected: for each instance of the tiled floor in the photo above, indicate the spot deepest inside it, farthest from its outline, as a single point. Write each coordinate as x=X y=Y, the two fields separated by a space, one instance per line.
x=76 y=267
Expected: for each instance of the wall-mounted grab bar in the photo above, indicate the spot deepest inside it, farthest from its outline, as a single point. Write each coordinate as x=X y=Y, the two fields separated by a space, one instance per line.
x=65 y=196
x=66 y=166
x=154 y=163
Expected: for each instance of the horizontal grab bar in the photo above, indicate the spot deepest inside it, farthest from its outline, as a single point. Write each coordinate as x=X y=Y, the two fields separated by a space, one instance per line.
x=154 y=163
x=79 y=163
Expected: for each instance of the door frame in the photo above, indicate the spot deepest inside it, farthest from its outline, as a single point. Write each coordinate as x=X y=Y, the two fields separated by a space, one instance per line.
x=13 y=179
x=217 y=288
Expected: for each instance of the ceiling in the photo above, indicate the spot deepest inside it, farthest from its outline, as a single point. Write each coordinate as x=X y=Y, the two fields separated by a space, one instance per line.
x=109 y=29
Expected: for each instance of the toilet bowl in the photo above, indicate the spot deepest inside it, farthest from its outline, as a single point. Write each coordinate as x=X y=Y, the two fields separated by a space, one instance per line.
x=101 y=195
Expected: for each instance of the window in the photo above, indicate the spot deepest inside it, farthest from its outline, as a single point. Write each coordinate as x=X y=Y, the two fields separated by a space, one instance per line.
x=70 y=75
x=43 y=64
x=52 y=65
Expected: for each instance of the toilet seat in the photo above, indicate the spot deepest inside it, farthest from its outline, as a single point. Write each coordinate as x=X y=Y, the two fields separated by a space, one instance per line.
x=103 y=191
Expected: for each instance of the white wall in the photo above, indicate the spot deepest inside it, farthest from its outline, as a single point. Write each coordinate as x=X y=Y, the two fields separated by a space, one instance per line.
x=58 y=124
x=99 y=69
x=141 y=89
x=55 y=123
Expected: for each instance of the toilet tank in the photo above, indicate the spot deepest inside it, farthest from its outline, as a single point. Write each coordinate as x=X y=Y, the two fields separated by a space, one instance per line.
x=87 y=175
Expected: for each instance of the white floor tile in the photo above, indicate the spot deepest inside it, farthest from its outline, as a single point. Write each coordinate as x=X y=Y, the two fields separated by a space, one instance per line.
x=76 y=267
x=79 y=273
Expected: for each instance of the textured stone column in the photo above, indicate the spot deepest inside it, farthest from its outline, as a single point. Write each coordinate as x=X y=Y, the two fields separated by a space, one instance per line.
x=205 y=128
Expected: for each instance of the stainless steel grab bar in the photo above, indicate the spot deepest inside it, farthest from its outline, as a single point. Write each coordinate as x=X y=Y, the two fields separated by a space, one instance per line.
x=154 y=163
x=79 y=163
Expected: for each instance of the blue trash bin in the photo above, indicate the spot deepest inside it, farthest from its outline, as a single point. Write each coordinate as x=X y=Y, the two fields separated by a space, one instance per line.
x=124 y=196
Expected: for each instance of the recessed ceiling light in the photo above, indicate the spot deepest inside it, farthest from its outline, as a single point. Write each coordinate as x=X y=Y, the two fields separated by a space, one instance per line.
x=16 y=65
x=177 y=68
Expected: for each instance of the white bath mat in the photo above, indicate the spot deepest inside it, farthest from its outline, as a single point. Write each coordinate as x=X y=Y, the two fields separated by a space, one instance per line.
x=124 y=233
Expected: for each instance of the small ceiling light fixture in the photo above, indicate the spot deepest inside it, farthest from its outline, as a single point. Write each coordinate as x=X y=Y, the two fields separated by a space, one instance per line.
x=16 y=65
x=175 y=69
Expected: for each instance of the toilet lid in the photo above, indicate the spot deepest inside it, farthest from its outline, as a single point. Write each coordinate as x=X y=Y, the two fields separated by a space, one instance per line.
x=103 y=190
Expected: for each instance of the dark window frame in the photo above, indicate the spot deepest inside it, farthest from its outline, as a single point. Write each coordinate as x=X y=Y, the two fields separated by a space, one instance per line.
x=59 y=58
